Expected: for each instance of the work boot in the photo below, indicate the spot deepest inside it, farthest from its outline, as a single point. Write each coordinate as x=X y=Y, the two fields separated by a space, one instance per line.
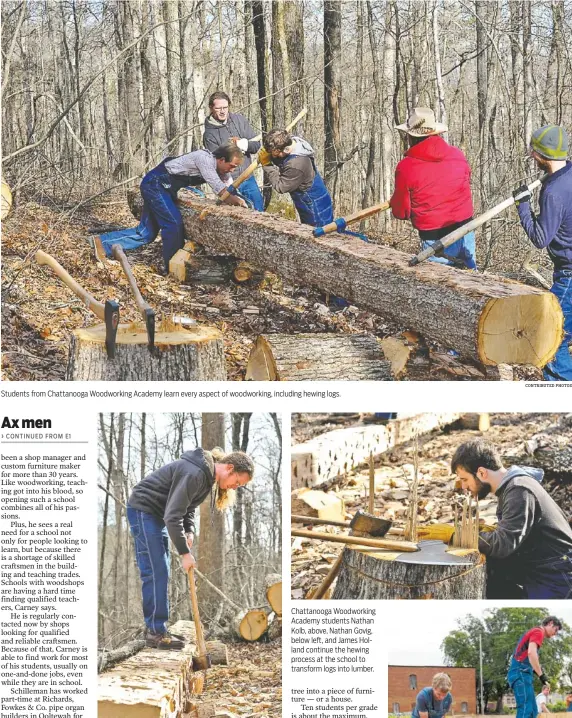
x=165 y=641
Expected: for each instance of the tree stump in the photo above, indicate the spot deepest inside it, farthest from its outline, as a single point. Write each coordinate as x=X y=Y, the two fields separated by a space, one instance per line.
x=317 y=357
x=250 y=625
x=448 y=574
x=273 y=583
x=193 y=354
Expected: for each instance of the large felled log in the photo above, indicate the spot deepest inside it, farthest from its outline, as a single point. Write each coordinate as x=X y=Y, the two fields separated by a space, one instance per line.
x=153 y=683
x=317 y=357
x=339 y=451
x=193 y=354
x=483 y=317
x=447 y=574
x=273 y=584
x=250 y=624
x=550 y=449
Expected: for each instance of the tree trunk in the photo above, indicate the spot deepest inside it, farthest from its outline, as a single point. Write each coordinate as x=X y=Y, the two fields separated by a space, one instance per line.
x=332 y=91
x=257 y=10
x=194 y=354
x=339 y=451
x=250 y=625
x=482 y=317
x=384 y=575
x=273 y=584
x=317 y=357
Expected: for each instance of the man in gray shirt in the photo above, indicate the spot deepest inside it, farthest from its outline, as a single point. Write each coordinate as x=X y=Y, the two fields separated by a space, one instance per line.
x=159 y=190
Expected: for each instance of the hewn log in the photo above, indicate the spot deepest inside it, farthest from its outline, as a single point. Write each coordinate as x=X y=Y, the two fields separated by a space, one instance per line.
x=337 y=452
x=317 y=357
x=250 y=624
x=193 y=354
x=482 y=317
x=107 y=659
x=273 y=585
x=381 y=575
x=318 y=504
x=153 y=683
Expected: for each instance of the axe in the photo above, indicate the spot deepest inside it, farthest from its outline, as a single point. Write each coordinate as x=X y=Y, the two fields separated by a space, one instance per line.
x=339 y=224
x=147 y=313
x=108 y=312
x=231 y=189
x=203 y=661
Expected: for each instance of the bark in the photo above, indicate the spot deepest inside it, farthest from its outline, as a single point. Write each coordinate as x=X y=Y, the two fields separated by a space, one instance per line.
x=273 y=584
x=550 y=450
x=482 y=317
x=365 y=576
x=194 y=354
x=332 y=91
x=339 y=451
x=173 y=69
x=257 y=11
x=294 y=23
x=317 y=357
x=282 y=104
x=107 y=659
x=275 y=629
x=250 y=625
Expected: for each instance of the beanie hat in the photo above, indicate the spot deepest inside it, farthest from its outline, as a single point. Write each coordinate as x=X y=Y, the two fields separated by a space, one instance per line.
x=550 y=141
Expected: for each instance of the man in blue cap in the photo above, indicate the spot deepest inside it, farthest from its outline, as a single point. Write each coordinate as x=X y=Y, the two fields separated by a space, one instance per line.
x=552 y=229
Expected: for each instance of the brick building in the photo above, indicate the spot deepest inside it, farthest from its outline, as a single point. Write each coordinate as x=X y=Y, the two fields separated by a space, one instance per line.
x=405 y=682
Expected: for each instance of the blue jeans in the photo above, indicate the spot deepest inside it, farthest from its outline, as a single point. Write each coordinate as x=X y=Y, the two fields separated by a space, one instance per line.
x=463 y=249
x=152 y=555
x=560 y=368
x=249 y=189
x=521 y=682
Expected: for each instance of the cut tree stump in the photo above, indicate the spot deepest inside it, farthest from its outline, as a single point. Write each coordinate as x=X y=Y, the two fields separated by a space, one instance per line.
x=341 y=450
x=193 y=354
x=250 y=624
x=155 y=683
x=273 y=584
x=317 y=357
x=483 y=317
x=318 y=504
x=384 y=574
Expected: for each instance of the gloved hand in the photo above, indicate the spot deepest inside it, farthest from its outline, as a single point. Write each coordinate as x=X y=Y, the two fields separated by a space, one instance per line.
x=437 y=532
x=521 y=194
x=264 y=157
x=242 y=144
x=544 y=679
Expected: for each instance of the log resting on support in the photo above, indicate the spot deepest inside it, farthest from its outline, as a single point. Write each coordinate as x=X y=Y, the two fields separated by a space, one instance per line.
x=341 y=450
x=457 y=574
x=483 y=317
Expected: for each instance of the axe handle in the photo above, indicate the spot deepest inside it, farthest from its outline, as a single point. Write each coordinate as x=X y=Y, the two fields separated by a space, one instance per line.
x=342 y=222
x=196 y=615
x=456 y=234
x=295 y=519
x=371 y=485
x=329 y=579
x=96 y=307
x=225 y=194
x=121 y=257
x=401 y=546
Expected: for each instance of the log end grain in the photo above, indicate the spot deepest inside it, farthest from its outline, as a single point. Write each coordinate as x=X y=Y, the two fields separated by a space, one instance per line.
x=520 y=329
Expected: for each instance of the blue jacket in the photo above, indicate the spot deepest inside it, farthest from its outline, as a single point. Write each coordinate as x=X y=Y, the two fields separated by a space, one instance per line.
x=552 y=228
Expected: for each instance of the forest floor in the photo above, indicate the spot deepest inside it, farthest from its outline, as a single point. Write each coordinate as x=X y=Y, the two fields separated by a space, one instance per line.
x=39 y=312
x=311 y=559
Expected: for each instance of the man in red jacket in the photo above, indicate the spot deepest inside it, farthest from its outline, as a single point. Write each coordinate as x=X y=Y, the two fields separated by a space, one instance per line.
x=432 y=188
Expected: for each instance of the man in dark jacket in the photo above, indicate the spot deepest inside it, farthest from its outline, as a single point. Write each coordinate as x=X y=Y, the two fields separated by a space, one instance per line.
x=222 y=126
x=289 y=166
x=162 y=507
x=432 y=188
x=552 y=229
x=529 y=554
x=525 y=663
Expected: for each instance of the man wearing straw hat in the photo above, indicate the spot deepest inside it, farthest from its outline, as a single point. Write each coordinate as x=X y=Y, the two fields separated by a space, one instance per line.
x=432 y=188
x=551 y=229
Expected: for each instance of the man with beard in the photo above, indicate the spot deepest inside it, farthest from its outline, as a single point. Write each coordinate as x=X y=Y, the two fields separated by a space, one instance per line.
x=529 y=554
x=551 y=229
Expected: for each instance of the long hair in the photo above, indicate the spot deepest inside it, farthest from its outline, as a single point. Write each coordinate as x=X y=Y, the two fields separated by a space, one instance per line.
x=242 y=463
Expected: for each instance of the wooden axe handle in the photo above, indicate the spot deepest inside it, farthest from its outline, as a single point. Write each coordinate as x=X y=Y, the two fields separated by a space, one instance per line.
x=371 y=485
x=96 y=307
x=225 y=194
x=329 y=579
x=344 y=221
x=196 y=615
x=121 y=257
x=401 y=546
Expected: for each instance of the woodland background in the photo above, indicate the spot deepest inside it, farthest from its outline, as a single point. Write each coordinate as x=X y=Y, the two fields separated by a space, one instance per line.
x=234 y=550
x=94 y=93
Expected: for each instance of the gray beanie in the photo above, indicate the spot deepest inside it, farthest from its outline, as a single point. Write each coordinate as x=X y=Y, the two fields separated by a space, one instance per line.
x=550 y=141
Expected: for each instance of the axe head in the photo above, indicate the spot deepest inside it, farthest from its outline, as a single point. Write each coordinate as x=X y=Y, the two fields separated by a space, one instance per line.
x=149 y=316
x=111 y=324
x=201 y=663
x=369 y=524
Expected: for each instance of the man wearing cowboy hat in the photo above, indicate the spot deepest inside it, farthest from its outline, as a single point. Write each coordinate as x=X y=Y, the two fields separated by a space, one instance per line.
x=432 y=188
x=552 y=229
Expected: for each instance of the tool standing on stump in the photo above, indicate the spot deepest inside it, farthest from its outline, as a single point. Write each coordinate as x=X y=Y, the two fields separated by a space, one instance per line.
x=162 y=506
x=551 y=229
x=432 y=188
x=529 y=554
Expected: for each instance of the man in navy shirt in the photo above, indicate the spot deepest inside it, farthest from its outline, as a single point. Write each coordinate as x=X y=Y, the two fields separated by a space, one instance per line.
x=552 y=229
x=434 y=701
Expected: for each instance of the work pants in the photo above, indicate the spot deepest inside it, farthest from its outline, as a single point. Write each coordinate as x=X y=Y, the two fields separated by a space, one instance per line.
x=251 y=191
x=463 y=250
x=560 y=368
x=152 y=555
x=521 y=683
